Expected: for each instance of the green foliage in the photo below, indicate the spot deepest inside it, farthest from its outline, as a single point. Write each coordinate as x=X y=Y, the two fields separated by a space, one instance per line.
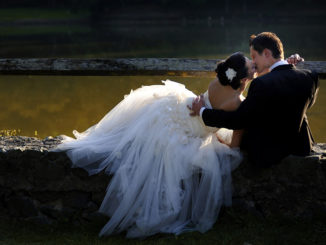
x=12 y=14
x=10 y=132
x=43 y=30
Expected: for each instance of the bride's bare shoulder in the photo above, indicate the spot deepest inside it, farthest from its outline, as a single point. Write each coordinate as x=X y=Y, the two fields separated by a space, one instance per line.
x=223 y=97
x=214 y=84
x=215 y=89
x=232 y=104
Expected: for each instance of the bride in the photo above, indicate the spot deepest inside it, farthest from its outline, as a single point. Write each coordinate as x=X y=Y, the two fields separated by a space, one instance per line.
x=170 y=173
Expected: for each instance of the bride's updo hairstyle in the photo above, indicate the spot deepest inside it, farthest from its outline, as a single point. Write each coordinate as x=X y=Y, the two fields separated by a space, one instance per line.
x=232 y=70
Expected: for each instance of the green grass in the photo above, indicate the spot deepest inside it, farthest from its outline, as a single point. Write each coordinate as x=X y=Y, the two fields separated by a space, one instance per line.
x=12 y=14
x=231 y=228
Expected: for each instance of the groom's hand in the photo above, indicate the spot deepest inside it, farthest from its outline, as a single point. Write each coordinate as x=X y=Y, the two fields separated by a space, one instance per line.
x=197 y=104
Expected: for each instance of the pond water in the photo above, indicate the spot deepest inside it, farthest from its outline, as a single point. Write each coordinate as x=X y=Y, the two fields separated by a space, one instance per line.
x=54 y=105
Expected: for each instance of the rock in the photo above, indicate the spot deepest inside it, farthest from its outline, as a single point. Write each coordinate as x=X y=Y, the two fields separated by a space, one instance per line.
x=76 y=199
x=40 y=186
x=92 y=207
x=98 y=197
x=49 y=171
x=39 y=220
x=294 y=188
x=96 y=218
x=52 y=197
x=21 y=206
x=51 y=211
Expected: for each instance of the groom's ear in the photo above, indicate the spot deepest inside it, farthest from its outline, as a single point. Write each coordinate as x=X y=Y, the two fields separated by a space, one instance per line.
x=267 y=53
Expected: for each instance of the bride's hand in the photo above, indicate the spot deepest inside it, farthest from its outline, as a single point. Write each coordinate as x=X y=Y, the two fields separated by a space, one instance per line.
x=221 y=140
x=197 y=104
x=294 y=59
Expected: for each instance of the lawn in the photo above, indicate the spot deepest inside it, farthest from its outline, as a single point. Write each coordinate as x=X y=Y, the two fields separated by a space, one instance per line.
x=231 y=228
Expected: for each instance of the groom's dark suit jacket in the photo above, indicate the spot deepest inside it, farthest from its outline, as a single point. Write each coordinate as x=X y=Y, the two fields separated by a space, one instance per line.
x=273 y=115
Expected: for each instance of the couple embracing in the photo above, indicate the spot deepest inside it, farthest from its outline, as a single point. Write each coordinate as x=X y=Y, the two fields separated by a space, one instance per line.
x=274 y=112
x=171 y=172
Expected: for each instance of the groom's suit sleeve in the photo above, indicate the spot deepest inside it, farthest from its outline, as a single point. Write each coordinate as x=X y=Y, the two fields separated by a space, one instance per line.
x=240 y=118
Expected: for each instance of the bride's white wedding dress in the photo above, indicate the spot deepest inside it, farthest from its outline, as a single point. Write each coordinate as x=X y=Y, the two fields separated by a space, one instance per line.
x=170 y=173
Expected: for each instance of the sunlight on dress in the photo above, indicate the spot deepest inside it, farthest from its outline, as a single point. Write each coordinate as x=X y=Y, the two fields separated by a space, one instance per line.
x=170 y=173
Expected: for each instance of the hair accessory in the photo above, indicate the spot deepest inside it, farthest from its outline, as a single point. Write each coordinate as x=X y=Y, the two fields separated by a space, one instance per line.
x=230 y=73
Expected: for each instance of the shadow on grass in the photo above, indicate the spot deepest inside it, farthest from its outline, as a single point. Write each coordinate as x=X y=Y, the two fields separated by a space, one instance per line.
x=233 y=227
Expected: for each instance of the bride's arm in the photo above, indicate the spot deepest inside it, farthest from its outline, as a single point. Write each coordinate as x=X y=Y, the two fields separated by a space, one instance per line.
x=236 y=138
x=237 y=134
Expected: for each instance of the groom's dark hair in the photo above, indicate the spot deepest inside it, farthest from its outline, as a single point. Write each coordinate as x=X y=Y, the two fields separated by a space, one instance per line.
x=267 y=40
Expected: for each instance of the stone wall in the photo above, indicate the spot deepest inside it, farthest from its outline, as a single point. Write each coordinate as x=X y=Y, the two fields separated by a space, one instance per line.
x=40 y=186
x=294 y=188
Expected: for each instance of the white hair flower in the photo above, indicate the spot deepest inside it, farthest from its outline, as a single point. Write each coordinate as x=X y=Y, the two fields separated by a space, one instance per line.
x=230 y=73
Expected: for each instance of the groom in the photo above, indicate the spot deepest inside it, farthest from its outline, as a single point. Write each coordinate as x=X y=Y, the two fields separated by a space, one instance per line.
x=274 y=113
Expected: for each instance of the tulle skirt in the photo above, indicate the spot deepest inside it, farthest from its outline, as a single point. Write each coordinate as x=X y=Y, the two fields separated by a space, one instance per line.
x=170 y=173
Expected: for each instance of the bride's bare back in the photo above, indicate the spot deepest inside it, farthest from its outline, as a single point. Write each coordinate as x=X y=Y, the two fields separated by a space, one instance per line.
x=223 y=97
x=227 y=99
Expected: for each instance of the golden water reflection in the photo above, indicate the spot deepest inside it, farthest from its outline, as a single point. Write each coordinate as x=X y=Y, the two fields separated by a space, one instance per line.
x=54 y=105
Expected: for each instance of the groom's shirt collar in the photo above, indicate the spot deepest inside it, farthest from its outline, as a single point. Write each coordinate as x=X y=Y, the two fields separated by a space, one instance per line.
x=278 y=63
